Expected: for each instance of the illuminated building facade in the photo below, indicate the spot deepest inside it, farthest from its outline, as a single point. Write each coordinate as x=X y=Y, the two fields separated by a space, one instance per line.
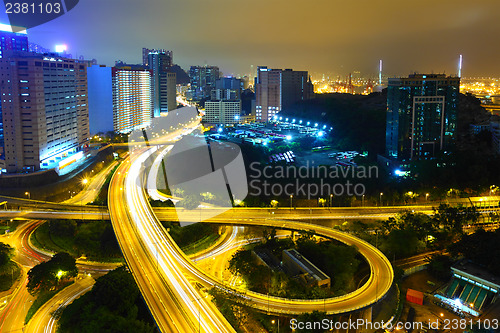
x=37 y=48
x=495 y=134
x=203 y=80
x=227 y=88
x=277 y=89
x=146 y=52
x=100 y=96
x=15 y=41
x=44 y=109
x=267 y=93
x=421 y=116
x=163 y=82
x=132 y=102
x=222 y=112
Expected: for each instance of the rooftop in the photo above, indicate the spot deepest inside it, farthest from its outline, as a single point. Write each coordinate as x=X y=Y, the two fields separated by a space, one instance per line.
x=477 y=271
x=313 y=270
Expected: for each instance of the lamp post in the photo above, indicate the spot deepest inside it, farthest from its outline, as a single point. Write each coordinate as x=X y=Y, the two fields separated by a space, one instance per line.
x=381 y=194
x=28 y=195
x=331 y=200
x=291 y=201
x=84 y=183
x=273 y=321
x=363 y=200
x=199 y=311
x=426 y=196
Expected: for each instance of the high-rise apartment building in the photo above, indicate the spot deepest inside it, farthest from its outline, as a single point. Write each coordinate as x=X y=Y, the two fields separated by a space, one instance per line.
x=163 y=82
x=37 y=48
x=224 y=94
x=132 y=103
x=222 y=112
x=100 y=97
x=44 y=111
x=421 y=115
x=146 y=52
x=295 y=86
x=277 y=89
x=227 y=88
x=14 y=41
x=203 y=80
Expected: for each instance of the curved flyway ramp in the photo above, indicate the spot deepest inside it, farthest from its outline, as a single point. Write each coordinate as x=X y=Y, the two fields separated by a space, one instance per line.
x=164 y=273
x=373 y=290
x=173 y=301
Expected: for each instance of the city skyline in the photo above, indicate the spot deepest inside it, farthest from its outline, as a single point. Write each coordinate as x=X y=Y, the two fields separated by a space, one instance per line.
x=324 y=37
x=299 y=166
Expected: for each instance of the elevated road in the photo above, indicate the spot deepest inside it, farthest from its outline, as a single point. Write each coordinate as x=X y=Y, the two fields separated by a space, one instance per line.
x=165 y=274
x=300 y=214
x=174 y=302
x=44 y=320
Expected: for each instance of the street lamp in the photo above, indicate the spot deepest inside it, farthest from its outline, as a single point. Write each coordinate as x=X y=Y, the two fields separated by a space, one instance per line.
x=381 y=194
x=363 y=200
x=28 y=195
x=291 y=201
x=331 y=198
x=493 y=189
x=199 y=310
x=273 y=321
x=426 y=196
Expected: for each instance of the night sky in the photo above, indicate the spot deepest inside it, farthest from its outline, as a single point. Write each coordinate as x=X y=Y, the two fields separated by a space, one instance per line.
x=322 y=36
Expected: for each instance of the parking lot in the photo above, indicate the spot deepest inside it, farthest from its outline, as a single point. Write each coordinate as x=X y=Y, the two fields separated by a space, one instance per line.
x=280 y=133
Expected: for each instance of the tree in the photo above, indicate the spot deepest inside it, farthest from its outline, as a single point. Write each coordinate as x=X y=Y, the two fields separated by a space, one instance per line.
x=232 y=306
x=117 y=291
x=439 y=266
x=418 y=223
x=6 y=253
x=402 y=243
x=241 y=262
x=482 y=247
x=269 y=235
x=190 y=202
x=113 y=305
x=47 y=275
x=63 y=262
x=39 y=278
x=453 y=219
x=62 y=228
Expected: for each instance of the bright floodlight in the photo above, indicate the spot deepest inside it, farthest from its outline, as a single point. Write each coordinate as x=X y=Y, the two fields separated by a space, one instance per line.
x=316 y=125
x=281 y=118
x=286 y=119
x=321 y=133
x=236 y=117
x=275 y=117
x=401 y=173
x=61 y=48
x=293 y=120
x=219 y=129
x=289 y=137
x=308 y=123
x=300 y=121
